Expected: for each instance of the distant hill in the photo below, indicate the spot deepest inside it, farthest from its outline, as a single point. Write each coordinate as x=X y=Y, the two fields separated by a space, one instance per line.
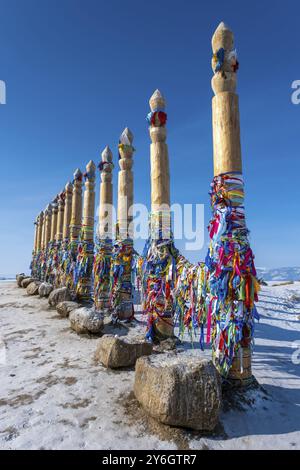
x=279 y=274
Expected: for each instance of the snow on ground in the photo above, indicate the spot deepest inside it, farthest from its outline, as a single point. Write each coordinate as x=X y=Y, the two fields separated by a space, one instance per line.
x=53 y=395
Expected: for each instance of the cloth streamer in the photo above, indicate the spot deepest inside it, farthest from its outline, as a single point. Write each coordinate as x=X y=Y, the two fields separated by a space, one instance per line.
x=157 y=270
x=122 y=279
x=101 y=273
x=84 y=266
x=232 y=276
x=190 y=294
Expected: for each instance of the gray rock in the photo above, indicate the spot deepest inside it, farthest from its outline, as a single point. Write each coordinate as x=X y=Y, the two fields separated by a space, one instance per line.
x=115 y=352
x=86 y=320
x=19 y=278
x=45 y=289
x=33 y=288
x=59 y=295
x=66 y=307
x=25 y=283
x=181 y=390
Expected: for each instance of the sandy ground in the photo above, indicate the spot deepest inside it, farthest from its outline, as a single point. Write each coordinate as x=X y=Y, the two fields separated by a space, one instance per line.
x=54 y=396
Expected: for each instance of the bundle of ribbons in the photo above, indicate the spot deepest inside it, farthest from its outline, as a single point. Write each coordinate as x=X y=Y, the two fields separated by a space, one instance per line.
x=190 y=294
x=232 y=276
x=101 y=272
x=70 y=257
x=222 y=57
x=84 y=266
x=63 y=261
x=158 y=274
x=33 y=264
x=58 y=264
x=51 y=263
x=42 y=264
x=122 y=280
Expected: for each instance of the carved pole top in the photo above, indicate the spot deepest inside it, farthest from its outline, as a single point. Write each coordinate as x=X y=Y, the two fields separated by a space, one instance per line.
x=126 y=149
x=48 y=209
x=157 y=101
x=54 y=204
x=222 y=37
x=157 y=117
x=106 y=165
x=126 y=137
x=68 y=188
x=107 y=155
x=77 y=175
x=224 y=60
x=61 y=198
x=90 y=173
x=41 y=216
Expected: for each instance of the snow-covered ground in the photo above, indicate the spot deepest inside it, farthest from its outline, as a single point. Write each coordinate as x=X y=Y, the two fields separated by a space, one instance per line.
x=53 y=395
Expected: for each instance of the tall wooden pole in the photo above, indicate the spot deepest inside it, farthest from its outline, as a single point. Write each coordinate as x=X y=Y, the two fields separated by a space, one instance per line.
x=46 y=240
x=75 y=228
x=40 y=230
x=33 y=265
x=122 y=262
x=85 y=257
x=102 y=260
x=51 y=252
x=233 y=282
x=159 y=266
x=68 y=211
x=64 y=261
x=58 y=239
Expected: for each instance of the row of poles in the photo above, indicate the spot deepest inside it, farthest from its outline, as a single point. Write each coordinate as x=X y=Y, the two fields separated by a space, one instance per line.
x=219 y=294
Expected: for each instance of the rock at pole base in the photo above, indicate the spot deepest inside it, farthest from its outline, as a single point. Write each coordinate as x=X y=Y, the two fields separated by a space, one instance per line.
x=181 y=390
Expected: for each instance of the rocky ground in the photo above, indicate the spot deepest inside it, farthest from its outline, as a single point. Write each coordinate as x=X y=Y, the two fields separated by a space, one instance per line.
x=53 y=395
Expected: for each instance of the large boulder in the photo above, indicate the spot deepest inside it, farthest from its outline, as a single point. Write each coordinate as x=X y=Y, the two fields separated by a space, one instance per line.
x=33 y=288
x=86 y=320
x=19 y=278
x=181 y=390
x=59 y=295
x=26 y=281
x=66 y=307
x=45 y=289
x=114 y=351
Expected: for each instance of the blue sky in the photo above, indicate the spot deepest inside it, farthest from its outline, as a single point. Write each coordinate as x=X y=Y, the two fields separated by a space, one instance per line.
x=78 y=72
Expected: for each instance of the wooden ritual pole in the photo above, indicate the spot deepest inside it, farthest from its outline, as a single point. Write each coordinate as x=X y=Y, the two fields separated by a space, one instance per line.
x=85 y=256
x=50 y=273
x=230 y=259
x=122 y=261
x=66 y=233
x=103 y=252
x=58 y=238
x=39 y=244
x=75 y=228
x=158 y=270
x=47 y=236
x=33 y=265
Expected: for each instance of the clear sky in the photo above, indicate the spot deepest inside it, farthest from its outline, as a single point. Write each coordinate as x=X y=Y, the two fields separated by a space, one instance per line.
x=77 y=72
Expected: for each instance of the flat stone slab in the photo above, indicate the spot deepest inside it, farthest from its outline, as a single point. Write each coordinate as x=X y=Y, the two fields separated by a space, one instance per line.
x=33 y=288
x=45 y=289
x=66 y=307
x=86 y=320
x=181 y=390
x=59 y=295
x=114 y=351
